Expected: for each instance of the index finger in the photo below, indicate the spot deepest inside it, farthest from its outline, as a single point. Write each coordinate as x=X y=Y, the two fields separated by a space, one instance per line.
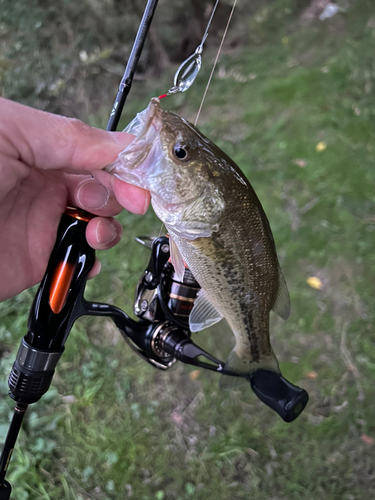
x=47 y=141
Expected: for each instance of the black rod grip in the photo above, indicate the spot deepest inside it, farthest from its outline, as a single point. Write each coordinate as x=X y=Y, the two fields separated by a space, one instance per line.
x=57 y=303
x=275 y=391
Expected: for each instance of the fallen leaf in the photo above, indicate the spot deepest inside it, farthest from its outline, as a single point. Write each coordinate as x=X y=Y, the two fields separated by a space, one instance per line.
x=194 y=374
x=83 y=55
x=315 y=419
x=177 y=418
x=311 y=374
x=314 y=282
x=321 y=146
x=68 y=399
x=340 y=407
x=300 y=162
x=367 y=439
x=252 y=452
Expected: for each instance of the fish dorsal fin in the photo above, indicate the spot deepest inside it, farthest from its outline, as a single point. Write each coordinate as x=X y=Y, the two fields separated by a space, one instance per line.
x=177 y=260
x=203 y=314
x=282 y=302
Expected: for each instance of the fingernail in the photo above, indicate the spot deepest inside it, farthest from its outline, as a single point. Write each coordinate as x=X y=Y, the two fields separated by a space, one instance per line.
x=92 y=195
x=105 y=232
x=146 y=205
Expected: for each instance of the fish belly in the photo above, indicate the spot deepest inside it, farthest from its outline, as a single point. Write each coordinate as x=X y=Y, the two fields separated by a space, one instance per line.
x=225 y=276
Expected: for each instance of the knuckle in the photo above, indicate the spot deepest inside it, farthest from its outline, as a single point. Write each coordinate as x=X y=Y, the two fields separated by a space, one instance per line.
x=76 y=126
x=73 y=130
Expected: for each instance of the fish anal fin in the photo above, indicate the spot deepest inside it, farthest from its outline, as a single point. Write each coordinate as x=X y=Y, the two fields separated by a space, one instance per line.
x=203 y=314
x=282 y=302
x=244 y=368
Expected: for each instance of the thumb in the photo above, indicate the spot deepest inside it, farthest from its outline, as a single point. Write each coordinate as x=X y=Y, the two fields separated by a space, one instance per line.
x=47 y=141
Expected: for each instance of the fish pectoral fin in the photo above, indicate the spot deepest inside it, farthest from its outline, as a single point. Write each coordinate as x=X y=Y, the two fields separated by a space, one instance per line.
x=282 y=302
x=191 y=230
x=243 y=368
x=177 y=260
x=203 y=314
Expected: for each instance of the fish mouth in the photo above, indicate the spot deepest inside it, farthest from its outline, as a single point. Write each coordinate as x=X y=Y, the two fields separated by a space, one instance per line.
x=145 y=126
x=140 y=125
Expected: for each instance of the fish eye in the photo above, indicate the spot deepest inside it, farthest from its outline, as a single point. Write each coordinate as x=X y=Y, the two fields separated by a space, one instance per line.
x=181 y=152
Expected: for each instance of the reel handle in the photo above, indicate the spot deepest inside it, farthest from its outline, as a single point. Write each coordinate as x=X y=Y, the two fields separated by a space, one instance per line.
x=275 y=391
x=5 y=490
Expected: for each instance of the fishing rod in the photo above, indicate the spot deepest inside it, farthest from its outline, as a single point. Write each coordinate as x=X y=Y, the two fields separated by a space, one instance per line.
x=163 y=302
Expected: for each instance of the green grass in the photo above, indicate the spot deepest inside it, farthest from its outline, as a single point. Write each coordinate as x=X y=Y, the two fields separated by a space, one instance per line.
x=113 y=427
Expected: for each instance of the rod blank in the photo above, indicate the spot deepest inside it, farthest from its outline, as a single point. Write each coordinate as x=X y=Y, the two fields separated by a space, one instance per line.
x=127 y=79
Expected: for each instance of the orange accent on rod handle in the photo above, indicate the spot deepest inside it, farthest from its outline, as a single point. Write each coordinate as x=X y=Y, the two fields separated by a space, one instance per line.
x=60 y=285
x=79 y=214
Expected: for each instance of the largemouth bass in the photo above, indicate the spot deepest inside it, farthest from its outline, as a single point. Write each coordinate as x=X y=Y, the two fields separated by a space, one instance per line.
x=217 y=225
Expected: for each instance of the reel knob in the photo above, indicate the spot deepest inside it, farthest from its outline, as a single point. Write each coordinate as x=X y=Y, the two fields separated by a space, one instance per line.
x=5 y=490
x=275 y=391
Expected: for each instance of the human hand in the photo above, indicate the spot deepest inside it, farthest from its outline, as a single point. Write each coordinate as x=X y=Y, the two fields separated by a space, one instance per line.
x=45 y=164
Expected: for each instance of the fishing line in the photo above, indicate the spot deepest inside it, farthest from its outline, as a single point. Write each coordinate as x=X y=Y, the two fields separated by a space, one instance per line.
x=209 y=22
x=188 y=70
x=215 y=62
x=161 y=231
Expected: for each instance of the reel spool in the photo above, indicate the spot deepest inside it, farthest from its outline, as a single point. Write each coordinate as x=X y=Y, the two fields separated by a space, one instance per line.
x=159 y=292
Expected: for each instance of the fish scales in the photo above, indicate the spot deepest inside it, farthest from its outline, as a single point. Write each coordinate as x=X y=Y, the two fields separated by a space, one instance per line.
x=217 y=226
x=240 y=286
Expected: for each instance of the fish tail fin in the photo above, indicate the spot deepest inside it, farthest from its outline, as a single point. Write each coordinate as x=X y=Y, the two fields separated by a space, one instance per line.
x=244 y=368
